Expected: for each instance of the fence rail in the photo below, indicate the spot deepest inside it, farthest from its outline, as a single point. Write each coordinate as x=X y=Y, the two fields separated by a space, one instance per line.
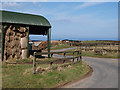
x=78 y=57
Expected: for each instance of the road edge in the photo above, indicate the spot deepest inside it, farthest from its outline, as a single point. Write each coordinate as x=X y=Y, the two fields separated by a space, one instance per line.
x=76 y=80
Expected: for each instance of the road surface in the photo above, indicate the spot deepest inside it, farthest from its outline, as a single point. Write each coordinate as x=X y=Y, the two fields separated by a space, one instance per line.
x=60 y=50
x=105 y=74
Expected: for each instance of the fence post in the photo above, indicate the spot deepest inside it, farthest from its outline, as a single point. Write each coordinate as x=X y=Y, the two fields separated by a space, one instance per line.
x=28 y=44
x=77 y=55
x=51 y=55
x=73 y=56
x=48 y=41
x=34 y=63
x=81 y=55
x=51 y=63
x=64 y=57
x=2 y=38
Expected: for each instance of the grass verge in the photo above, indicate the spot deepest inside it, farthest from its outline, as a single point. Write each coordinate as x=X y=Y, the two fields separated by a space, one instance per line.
x=20 y=76
x=92 y=54
x=89 y=53
x=108 y=55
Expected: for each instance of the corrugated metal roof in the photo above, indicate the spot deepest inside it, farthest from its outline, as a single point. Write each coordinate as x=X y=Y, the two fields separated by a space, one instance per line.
x=22 y=18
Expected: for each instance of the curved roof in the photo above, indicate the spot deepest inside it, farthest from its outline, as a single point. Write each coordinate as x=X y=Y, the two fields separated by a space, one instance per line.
x=22 y=18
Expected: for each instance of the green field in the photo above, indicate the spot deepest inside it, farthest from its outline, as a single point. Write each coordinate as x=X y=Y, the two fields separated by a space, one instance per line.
x=96 y=41
x=20 y=75
x=91 y=53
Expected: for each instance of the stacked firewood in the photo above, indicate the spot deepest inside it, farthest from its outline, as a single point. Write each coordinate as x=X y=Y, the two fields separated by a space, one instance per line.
x=15 y=43
x=43 y=45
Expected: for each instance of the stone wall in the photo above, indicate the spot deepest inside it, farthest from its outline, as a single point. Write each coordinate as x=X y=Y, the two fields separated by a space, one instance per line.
x=15 y=43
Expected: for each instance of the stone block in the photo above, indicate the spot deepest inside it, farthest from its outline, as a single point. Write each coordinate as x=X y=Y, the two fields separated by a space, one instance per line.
x=24 y=54
x=23 y=43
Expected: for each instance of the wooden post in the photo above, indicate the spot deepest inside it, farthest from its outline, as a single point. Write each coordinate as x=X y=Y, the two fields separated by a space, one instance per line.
x=2 y=48
x=77 y=55
x=51 y=63
x=51 y=55
x=48 y=39
x=73 y=56
x=81 y=55
x=34 y=63
x=80 y=45
x=28 y=44
x=64 y=57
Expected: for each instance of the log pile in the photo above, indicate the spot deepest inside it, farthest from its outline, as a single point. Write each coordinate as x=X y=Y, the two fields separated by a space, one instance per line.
x=41 y=46
x=14 y=35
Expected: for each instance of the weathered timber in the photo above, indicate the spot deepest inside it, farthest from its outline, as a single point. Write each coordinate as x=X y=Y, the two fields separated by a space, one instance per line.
x=51 y=61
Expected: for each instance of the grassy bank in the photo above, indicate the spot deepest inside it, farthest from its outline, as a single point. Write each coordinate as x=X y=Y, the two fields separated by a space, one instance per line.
x=61 y=46
x=20 y=76
x=92 y=54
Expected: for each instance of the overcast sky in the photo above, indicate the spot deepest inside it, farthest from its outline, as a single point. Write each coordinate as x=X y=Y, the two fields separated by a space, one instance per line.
x=78 y=20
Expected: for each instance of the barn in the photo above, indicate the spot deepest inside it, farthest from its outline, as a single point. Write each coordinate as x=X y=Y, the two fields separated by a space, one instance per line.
x=15 y=30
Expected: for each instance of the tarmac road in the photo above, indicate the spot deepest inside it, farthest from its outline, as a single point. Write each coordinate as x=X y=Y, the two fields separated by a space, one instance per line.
x=60 y=50
x=105 y=74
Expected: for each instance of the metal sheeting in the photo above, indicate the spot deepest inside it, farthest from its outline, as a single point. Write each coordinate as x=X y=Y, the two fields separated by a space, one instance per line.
x=26 y=19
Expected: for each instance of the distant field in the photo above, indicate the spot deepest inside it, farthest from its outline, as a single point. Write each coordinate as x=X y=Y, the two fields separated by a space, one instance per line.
x=99 y=41
x=91 y=53
x=110 y=47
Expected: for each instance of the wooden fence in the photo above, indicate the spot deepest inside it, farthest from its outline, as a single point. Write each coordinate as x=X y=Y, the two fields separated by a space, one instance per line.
x=78 y=57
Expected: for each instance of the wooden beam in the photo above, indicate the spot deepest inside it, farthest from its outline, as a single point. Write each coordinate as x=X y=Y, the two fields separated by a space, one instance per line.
x=48 y=39
x=2 y=48
x=34 y=64
x=28 y=43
